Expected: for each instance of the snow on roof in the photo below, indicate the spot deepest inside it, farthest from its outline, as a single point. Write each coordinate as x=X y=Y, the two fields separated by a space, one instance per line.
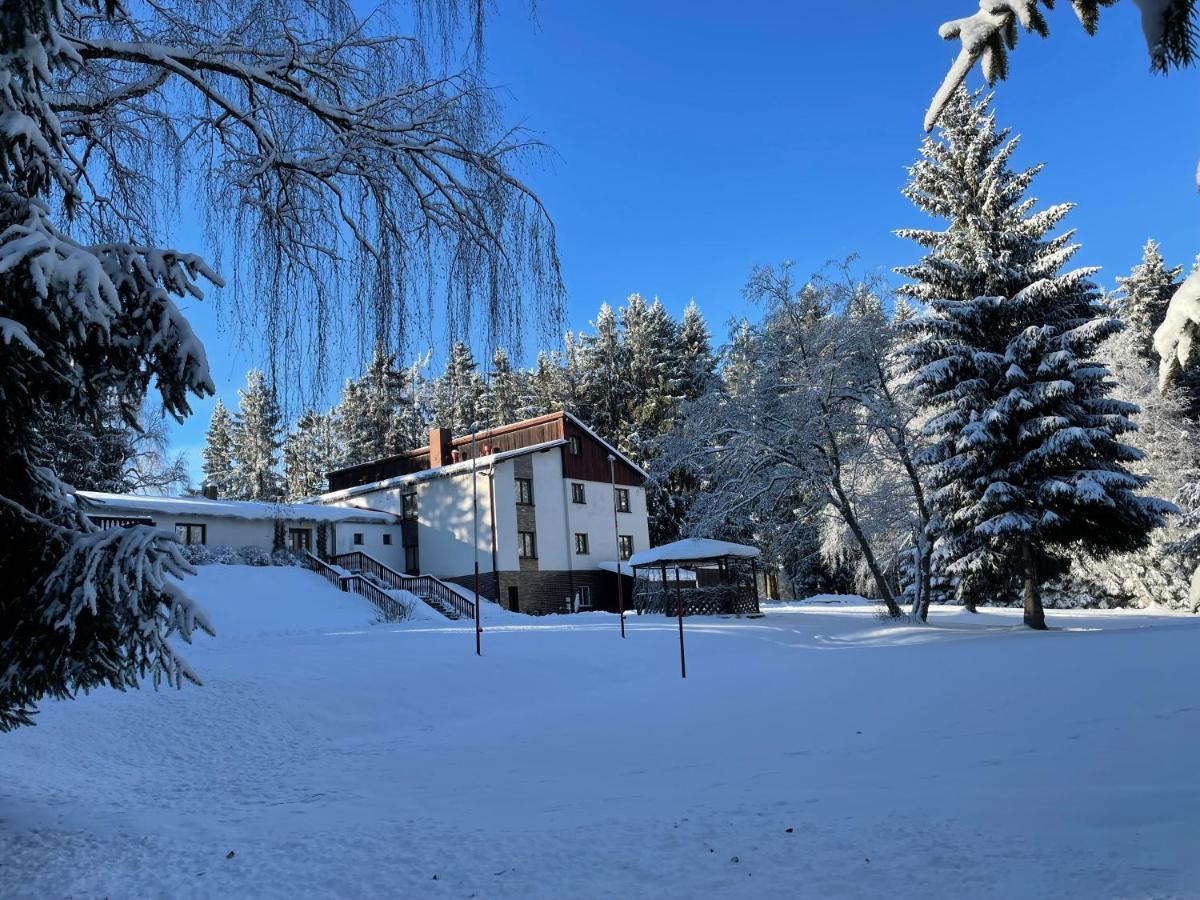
x=692 y=550
x=458 y=468
x=233 y=509
x=651 y=574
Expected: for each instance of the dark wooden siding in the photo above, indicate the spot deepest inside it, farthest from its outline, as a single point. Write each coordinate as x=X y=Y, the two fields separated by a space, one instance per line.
x=592 y=462
x=590 y=465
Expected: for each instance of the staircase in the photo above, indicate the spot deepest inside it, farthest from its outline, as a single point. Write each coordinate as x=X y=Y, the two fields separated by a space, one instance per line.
x=367 y=576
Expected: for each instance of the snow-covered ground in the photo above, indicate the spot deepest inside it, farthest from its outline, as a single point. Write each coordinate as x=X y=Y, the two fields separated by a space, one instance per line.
x=813 y=752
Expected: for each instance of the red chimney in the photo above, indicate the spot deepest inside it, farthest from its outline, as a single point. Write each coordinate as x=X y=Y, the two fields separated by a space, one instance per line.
x=440 y=447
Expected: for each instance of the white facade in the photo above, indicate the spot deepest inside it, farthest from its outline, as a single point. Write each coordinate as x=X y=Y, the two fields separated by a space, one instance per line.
x=234 y=523
x=446 y=537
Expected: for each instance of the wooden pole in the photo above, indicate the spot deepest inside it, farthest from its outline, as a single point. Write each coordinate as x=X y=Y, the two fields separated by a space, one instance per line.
x=754 y=581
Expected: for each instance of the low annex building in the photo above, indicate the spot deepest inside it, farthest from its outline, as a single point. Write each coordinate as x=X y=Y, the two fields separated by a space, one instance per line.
x=245 y=523
x=539 y=504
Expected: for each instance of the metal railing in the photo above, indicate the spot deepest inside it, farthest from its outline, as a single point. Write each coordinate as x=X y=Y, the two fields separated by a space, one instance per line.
x=322 y=568
x=424 y=586
x=393 y=610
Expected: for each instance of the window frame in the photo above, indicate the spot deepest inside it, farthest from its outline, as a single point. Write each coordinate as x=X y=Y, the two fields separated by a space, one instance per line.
x=186 y=537
x=574 y=445
x=524 y=487
x=578 y=492
x=584 y=592
x=387 y=539
x=358 y=539
x=621 y=500
x=308 y=539
x=624 y=540
x=523 y=545
x=410 y=515
x=584 y=544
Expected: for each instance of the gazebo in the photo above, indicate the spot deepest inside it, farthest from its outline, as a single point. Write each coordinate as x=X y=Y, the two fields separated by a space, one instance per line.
x=716 y=588
x=726 y=595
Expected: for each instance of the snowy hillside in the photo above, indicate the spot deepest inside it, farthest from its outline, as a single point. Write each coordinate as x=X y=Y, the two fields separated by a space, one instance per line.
x=813 y=752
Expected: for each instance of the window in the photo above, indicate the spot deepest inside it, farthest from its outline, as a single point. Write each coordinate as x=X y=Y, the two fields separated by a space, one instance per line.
x=525 y=491
x=408 y=506
x=585 y=596
x=622 y=499
x=626 y=544
x=387 y=540
x=527 y=545
x=191 y=534
x=577 y=495
x=573 y=445
x=581 y=543
x=299 y=539
x=412 y=560
x=358 y=538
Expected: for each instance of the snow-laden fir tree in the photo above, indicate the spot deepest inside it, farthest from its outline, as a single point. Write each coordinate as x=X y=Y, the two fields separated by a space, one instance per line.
x=218 y=454
x=310 y=451
x=1143 y=296
x=257 y=439
x=104 y=452
x=696 y=358
x=604 y=374
x=457 y=398
x=505 y=395
x=80 y=324
x=1027 y=460
x=545 y=387
x=1169 y=439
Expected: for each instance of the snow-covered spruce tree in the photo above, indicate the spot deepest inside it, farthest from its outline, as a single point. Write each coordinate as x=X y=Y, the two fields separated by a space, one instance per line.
x=1026 y=462
x=505 y=394
x=1170 y=442
x=604 y=374
x=457 y=398
x=1172 y=32
x=310 y=451
x=218 y=453
x=103 y=452
x=79 y=324
x=1143 y=296
x=257 y=439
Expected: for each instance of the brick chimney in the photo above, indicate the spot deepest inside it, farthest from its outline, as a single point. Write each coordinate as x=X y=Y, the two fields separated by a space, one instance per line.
x=440 y=447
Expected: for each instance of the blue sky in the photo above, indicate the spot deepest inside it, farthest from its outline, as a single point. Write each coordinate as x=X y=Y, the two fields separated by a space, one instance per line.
x=693 y=140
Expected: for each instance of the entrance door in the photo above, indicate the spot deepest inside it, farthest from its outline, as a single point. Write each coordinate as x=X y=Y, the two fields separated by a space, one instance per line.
x=513 y=603
x=299 y=539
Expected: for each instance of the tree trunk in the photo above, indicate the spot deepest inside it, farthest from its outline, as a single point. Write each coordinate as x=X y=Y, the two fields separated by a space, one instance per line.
x=851 y=520
x=925 y=578
x=1035 y=616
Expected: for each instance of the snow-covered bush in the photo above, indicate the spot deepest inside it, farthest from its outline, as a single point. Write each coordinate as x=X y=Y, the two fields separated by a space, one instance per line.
x=197 y=554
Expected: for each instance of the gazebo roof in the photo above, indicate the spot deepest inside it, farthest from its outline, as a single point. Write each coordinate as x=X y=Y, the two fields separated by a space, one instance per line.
x=692 y=550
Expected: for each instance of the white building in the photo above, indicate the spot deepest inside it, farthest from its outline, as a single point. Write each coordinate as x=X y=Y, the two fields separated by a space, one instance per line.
x=540 y=506
x=242 y=523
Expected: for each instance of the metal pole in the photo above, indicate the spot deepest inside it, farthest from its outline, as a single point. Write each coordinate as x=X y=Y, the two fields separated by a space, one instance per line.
x=612 y=475
x=679 y=604
x=475 y=548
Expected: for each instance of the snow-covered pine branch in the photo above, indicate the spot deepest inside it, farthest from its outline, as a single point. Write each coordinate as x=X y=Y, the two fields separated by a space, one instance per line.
x=986 y=37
